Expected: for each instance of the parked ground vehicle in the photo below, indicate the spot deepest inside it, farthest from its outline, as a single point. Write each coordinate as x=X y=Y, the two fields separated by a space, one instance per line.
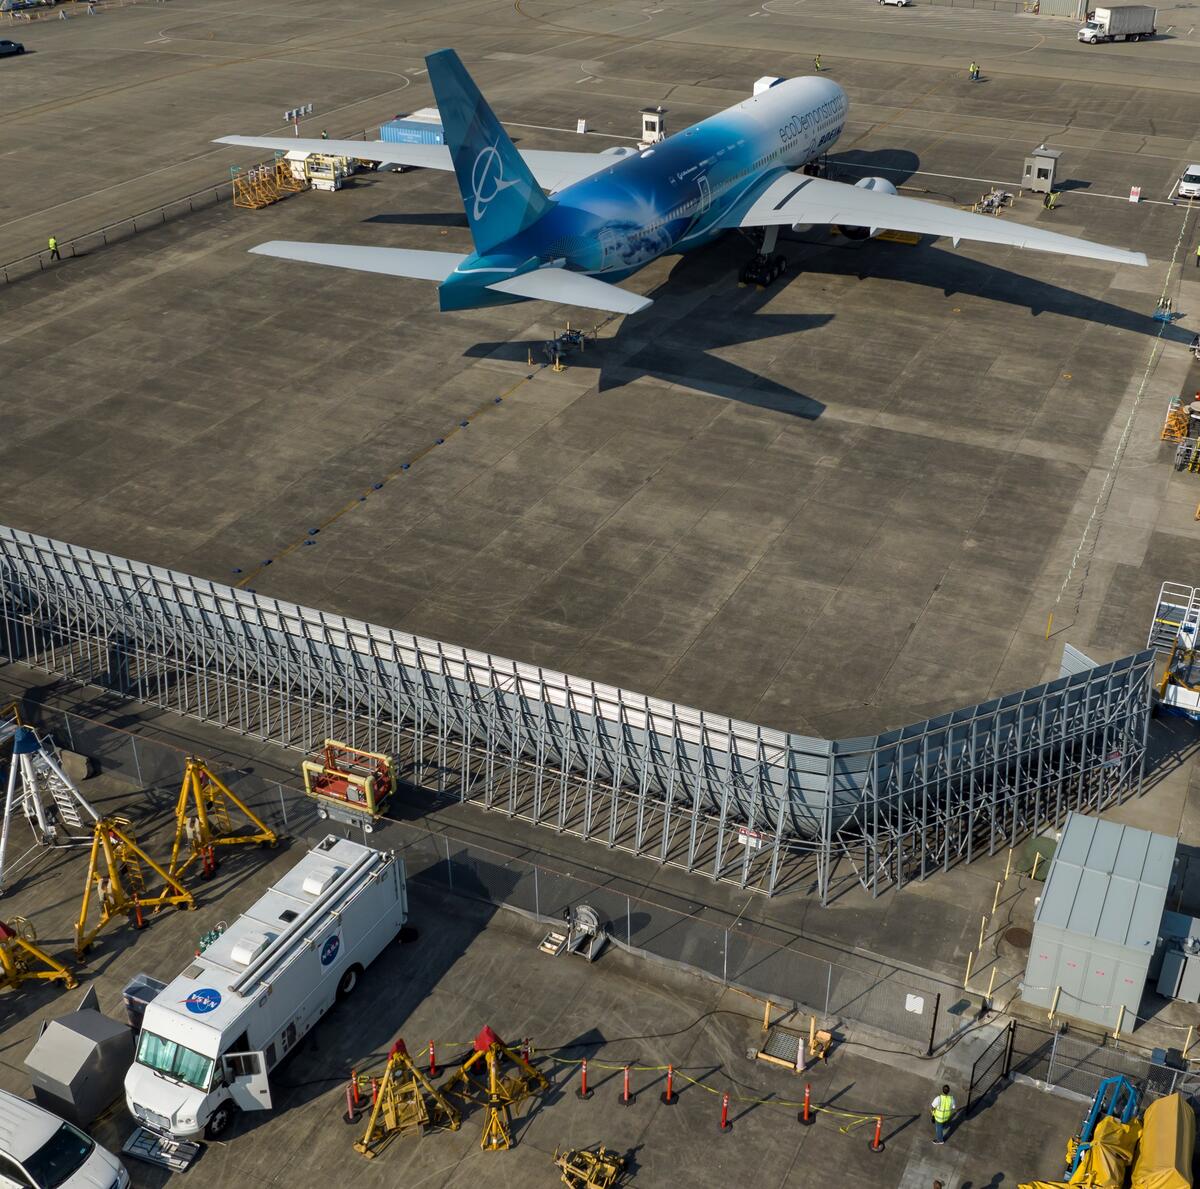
x=212 y=1035
x=897 y=3
x=1189 y=184
x=1129 y=22
x=42 y=1150
x=7 y=48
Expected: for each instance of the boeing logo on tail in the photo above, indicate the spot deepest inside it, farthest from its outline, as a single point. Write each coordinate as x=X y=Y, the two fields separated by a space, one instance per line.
x=608 y=214
x=487 y=179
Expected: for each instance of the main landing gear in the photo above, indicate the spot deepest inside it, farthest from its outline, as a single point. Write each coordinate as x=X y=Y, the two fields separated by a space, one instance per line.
x=767 y=265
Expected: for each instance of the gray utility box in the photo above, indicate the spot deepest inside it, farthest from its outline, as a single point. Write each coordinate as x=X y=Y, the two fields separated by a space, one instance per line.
x=1040 y=167
x=78 y=1063
x=1180 y=974
x=1097 y=923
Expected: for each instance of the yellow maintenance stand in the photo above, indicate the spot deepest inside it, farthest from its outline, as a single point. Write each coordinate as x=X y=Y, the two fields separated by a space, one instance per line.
x=203 y=822
x=500 y=1094
x=21 y=959
x=590 y=1168
x=115 y=878
x=405 y=1100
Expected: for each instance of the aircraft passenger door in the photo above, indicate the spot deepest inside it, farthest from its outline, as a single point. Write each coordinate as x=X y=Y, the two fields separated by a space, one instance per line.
x=705 y=193
x=246 y=1077
x=608 y=248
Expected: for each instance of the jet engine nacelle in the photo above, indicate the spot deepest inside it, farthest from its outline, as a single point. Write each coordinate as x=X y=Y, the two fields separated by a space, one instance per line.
x=880 y=184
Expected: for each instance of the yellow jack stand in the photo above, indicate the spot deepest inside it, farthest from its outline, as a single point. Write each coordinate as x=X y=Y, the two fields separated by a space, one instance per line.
x=18 y=953
x=202 y=820
x=115 y=876
x=588 y=1168
x=405 y=1101
x=500 y=1094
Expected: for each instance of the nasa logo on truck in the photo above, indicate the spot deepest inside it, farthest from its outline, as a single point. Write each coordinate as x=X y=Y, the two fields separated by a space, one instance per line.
x=203 y=1000
x=329 y=950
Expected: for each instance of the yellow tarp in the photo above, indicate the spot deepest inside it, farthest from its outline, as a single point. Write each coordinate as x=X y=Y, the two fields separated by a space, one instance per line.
x=1164 y=1159
x=1106 y=1161
x=1042 y=1185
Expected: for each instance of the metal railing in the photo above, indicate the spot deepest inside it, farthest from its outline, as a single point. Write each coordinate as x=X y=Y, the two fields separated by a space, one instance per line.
x=127 y=227
x=122 y=229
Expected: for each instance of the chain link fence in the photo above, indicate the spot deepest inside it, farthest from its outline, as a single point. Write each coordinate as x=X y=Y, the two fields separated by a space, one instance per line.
x=1078 y=1064
x=920 y=1012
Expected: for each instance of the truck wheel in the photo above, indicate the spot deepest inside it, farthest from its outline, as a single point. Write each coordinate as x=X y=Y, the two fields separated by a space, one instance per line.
x=222 y=1117
x=349 y=981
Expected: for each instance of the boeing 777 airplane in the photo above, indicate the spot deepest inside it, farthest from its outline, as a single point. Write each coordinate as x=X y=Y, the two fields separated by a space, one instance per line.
x=564 y=227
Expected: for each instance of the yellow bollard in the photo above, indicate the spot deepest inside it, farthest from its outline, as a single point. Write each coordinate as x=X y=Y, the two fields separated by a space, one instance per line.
x=970 y=959
x=982 y=931
x=766 y=1015
x=1120 y=1021
x=1054 y=1005
x=991 y=982
x=1037 y=855
x=1008 y=865
x=812 y=1034
x=996 y=897
x=1187 y=1044
x=1049 y=624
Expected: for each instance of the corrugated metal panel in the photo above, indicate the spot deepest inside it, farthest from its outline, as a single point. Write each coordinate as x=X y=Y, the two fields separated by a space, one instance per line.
x=1108 y=883
x=1074 y=661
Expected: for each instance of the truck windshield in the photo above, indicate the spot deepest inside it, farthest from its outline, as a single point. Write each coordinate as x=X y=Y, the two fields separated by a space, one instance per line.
x=1092 y=25
x=59 y=1156
x=1192 y=179
x=175 y=1060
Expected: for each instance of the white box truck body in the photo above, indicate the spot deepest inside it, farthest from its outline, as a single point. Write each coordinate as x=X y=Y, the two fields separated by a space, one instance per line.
x=210 y=1038
x=1129 y=22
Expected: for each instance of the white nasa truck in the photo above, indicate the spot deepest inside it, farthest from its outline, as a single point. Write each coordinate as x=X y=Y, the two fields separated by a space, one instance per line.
x=210 y=1038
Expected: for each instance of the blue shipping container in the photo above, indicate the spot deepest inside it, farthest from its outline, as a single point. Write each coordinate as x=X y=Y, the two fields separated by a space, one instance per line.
x=412 y=132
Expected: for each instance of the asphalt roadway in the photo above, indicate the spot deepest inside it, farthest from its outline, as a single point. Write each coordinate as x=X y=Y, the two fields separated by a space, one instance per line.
x=833 y=506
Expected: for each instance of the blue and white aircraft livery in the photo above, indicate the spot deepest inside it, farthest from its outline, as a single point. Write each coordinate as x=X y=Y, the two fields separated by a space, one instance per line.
x=565 y=227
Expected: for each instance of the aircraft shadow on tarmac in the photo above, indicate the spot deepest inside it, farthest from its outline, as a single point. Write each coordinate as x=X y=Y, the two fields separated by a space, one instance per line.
x=680 y=350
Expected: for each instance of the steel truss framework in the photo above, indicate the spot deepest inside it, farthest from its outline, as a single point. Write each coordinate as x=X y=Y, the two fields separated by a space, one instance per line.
x=768 y=810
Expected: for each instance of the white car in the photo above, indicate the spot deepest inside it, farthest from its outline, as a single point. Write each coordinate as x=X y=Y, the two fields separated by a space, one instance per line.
x=39 y=1150
x=897 y=3
x=1189 y=184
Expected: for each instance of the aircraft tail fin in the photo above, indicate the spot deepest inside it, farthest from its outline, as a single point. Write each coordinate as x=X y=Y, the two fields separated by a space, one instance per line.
x=500 y=193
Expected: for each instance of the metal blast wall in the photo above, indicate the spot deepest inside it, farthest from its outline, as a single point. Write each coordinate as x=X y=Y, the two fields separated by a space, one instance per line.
x=769 y=810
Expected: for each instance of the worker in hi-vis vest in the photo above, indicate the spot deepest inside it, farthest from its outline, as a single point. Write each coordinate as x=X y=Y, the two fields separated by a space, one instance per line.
x=942 y=1108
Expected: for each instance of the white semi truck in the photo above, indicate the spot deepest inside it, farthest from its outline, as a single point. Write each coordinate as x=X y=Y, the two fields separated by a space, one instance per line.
x=210 y=1038
x=1129 y=22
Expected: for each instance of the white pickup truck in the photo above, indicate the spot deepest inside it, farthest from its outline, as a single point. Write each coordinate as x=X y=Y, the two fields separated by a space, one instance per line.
x=1130 y=22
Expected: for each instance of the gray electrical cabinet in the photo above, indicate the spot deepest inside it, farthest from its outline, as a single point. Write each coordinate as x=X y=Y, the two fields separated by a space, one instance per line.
x=1040 y=168
x=1180 y=974
x=79 y=1062
x=1097 y=924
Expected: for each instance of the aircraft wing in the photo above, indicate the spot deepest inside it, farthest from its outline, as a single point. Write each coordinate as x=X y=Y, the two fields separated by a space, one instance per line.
x=553 y=170
x=793 y=198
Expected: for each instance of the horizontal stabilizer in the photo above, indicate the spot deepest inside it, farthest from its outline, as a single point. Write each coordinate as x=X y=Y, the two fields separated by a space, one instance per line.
x=573 y=289
x=391 y=262
x=425 y=156
x=553 y=168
